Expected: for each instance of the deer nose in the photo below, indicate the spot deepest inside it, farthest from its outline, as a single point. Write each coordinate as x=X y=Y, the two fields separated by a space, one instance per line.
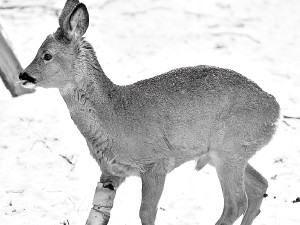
x=24 y=76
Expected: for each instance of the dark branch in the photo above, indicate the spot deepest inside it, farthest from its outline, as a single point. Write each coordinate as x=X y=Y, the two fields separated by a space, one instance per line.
x=291 y=117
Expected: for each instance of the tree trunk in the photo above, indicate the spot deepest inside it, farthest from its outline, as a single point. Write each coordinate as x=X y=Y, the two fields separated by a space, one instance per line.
x=10 y=68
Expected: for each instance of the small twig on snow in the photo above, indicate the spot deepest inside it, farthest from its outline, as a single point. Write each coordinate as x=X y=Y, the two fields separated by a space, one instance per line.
x=199 y=15
x=65 y=222
x=67 y=159
x=286 y=123
x=43 y=142
x=15 y=192
x=297 y=200
x=237 y=34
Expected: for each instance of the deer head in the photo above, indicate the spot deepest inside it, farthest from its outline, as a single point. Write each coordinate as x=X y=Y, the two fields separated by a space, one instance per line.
x=58 y=59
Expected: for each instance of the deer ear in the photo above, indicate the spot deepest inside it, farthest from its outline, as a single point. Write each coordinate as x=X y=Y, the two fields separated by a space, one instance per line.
x=65 y=14
x=78 y=21
x=74 y=19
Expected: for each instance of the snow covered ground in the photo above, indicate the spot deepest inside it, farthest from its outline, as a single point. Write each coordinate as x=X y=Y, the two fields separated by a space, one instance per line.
x=46 y=173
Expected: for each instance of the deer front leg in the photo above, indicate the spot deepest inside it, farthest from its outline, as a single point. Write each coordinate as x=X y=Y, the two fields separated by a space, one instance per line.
x=152 y=187
x=104 y=199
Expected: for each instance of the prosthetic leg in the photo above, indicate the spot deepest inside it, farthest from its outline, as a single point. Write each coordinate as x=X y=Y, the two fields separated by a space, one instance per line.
x=103 y=200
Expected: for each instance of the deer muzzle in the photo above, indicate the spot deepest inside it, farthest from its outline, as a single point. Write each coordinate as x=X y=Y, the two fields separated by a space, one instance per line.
x=26 y=80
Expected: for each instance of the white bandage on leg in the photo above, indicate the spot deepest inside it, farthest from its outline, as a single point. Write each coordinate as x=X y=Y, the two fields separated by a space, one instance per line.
x=103 y=203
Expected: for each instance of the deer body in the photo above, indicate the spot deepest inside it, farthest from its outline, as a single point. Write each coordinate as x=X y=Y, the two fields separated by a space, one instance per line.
x=212 y=115
x=169 y=119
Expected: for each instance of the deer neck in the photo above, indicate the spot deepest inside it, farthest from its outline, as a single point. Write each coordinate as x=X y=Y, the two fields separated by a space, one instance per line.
x=90 y=101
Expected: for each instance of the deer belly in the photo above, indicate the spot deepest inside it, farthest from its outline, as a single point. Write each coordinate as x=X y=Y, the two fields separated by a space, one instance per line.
x=190 y=141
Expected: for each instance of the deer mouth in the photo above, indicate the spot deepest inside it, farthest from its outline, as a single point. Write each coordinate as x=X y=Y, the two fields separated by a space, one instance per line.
x=26 y=81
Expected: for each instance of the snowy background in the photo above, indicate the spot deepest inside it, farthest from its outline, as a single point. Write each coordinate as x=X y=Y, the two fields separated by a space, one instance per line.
x=46 y=173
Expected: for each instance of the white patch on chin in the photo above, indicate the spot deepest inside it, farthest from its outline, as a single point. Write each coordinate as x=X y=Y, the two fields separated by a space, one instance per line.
x=25 y=84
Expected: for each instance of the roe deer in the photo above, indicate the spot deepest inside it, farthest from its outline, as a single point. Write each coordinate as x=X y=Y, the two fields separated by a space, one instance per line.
x=212 y=115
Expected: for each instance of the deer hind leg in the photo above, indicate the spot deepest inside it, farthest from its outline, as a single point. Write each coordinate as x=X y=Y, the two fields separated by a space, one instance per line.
x=256 y=187
x=230 y=169
x=152 y=187
x=103 y=199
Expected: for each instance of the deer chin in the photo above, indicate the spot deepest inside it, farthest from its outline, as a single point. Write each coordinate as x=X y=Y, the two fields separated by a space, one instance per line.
x=26 y=84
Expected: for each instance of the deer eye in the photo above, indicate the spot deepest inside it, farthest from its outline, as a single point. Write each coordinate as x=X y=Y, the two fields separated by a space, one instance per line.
x=47 y=57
